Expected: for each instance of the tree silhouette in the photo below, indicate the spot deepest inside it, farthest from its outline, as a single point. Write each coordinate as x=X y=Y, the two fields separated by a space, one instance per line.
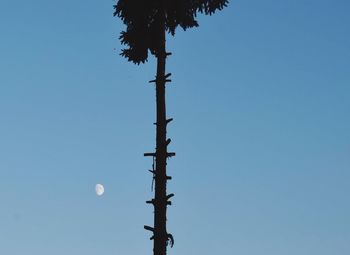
x=147 y=22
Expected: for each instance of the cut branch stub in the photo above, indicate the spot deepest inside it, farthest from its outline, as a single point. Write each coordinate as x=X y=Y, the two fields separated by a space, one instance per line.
x=170 y=239
x=161 y=79
x=166 y=122
x=150 y=202
x=170 y=154
x=148 y=228
x=170 y=196
x=149 y=154
x=169 y=120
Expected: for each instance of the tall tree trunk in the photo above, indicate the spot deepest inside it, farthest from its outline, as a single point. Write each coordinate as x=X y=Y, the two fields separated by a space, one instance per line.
x=160 y=202
x=161 y=199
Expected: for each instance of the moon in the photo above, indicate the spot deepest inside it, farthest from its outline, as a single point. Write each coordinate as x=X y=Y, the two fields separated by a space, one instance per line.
x=99 y=189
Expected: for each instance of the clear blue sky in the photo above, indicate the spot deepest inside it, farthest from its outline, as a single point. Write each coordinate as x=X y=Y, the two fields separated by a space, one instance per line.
x=261 y=102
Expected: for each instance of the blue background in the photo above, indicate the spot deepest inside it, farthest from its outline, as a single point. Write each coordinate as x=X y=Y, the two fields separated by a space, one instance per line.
x=261 y=102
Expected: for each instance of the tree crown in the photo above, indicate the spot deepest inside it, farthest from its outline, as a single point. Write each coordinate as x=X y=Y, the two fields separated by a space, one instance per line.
x=144 y=20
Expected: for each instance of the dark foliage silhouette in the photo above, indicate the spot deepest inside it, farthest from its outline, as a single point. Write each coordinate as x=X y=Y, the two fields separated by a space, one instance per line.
x=147 y=22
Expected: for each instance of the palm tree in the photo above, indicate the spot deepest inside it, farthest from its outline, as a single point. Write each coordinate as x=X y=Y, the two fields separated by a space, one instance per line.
x=147 y=22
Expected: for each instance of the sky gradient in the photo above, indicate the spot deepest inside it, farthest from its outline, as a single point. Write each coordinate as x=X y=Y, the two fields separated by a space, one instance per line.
x=261 y=103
